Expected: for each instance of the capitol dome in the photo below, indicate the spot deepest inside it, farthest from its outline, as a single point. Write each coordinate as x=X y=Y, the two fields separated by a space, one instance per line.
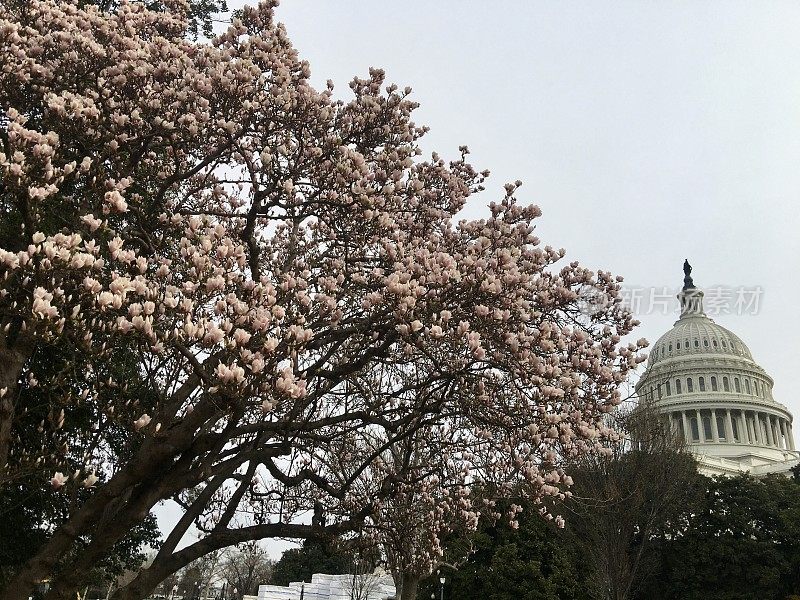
x=703 y=380
x=697 y=334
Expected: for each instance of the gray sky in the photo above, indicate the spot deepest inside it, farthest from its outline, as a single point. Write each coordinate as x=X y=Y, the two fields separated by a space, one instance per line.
x=648 y=132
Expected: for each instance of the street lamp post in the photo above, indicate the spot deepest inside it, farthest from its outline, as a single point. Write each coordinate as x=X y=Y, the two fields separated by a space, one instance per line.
x=441 y=587
x=174 y=589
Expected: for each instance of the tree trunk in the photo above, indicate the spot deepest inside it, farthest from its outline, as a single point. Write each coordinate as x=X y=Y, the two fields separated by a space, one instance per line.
x=13 y=356
x=154 y=457
x=409 y=587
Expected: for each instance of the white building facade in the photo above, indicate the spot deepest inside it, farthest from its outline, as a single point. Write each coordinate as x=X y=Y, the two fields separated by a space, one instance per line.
x=704 y=381
x=369 y=586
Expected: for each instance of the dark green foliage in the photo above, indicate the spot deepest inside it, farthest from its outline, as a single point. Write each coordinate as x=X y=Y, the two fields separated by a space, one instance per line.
x=741 y=543
x=29 y=507
x=737 y=539
x=201 y=12
x=533 y=562
x=25 y=515
x=315 y=556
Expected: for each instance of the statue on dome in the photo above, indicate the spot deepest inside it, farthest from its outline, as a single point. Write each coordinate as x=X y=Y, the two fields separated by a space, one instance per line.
x=687 y=275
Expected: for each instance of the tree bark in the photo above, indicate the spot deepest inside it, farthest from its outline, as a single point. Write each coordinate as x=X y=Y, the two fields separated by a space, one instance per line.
x=13 y=356
x=153 y=458
x=409 y=586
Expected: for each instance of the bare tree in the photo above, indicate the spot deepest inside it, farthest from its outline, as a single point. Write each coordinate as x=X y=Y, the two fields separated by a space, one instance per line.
x=628 y=497
x=246 y=567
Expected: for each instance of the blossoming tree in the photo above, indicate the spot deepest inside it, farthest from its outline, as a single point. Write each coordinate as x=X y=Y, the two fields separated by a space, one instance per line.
x=241 y=280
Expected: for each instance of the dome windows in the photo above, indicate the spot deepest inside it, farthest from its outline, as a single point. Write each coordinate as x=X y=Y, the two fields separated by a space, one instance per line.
x=669 y=391
x=726 y=385
x=747 y=385
x=713 y=383
x=701 y=383
x=707 y=428
x=689 y=386
x=737 y=385
x=677 y=386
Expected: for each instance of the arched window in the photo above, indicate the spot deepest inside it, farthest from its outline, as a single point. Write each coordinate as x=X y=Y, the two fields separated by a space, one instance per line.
x=737 y=385
x=697 y=343
x=735 y=429
x=689 y=386
x=705 y=343
x=724 y=344
x=701 y=383
x=715 y=343
x=721 y=427
x=670 y=347
x=707 y=427
x=678 y=345
x=725 y=385
x=747 y=385
x=695 y=429
x=713 y=384
x=757 y=387
x=669 y=391
x=677 y=386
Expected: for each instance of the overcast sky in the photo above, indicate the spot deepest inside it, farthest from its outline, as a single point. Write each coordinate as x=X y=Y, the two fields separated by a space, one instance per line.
x=648 y=132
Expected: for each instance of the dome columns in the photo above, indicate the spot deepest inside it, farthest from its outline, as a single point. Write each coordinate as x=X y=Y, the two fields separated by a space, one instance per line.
x=732 y=426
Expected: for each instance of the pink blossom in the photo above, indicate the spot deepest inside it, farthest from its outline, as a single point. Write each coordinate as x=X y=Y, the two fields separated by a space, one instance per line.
x=142 y=421
x=58 y=480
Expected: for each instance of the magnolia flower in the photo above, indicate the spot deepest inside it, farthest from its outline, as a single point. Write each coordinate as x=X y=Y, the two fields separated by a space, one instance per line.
x=230 y=374
x=116 y=201
x=141 y=422
x=58 y=480
x=90 y=480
